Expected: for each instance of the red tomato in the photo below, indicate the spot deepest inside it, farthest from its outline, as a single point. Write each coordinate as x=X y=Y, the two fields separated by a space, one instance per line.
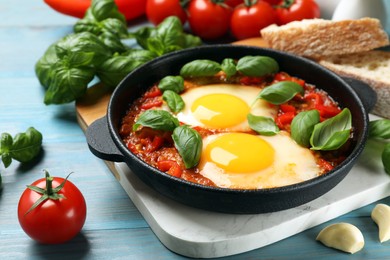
x=247 y=21
x=53 y=221
x=207 y=19
x=158 y=10
x=129 y=8
x=296 y=10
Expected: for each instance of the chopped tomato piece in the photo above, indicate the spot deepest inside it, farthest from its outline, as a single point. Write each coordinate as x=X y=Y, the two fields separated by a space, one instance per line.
x=327 y=166
x=282 y=76
x=153 y=92
x=327 y=111
x=287 y=108
x=171 y=167
x=157 y=142
x=152 y=102
x=284 y=119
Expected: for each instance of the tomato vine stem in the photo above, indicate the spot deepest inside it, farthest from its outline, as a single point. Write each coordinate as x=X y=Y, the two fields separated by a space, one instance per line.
x=48 y=192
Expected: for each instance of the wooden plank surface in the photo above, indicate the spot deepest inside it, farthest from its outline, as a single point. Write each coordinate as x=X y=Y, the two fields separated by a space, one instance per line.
x=114 y=228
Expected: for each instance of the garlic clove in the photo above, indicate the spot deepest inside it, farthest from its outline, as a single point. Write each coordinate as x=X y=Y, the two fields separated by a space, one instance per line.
x=342 y=236
x=381 y=216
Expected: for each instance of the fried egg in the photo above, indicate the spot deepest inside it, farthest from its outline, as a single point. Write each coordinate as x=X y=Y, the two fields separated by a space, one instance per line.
x=246 y=161
x=223 y=106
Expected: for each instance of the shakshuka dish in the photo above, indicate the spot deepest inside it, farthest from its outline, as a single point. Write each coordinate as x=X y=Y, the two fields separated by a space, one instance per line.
x=238 y=124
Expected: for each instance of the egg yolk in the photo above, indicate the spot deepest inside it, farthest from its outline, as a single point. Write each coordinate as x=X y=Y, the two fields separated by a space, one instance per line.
x=220 y=110
x=239 y=153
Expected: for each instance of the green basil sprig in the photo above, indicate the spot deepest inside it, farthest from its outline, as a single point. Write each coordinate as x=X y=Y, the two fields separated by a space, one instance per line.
x=23 y=147
x=200 y=68
x=188 y=143
x=280 y=92
x=174 y=83
x=332 y=133
x=229 y=67
x=262 y=125
x=257 y=66
x=380 y=129
x=302 y=126
x=174 y=101
x=157 y=119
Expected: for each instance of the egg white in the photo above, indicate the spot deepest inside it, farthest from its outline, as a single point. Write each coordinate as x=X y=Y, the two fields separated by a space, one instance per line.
x=246 y=93
x=292 y=164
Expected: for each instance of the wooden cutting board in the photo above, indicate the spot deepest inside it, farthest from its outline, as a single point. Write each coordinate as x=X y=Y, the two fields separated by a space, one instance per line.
x=94 y=104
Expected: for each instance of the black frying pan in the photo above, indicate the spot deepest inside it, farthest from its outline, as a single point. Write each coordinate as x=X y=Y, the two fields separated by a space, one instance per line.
x=105 y=142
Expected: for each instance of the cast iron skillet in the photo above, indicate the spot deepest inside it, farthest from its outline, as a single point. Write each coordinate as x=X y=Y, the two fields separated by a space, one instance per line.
x=105 y=142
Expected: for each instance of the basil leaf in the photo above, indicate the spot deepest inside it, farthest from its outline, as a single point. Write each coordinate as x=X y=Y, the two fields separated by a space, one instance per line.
x=379 y=129
x=157 y=119
x=262 y=125
x=44 y=66
x=174 y=100
x=229 y=67
x=302 y=126
x=83 y=42
x=103 y=9
x=113 y=42
x=67 y=83
x=5 y=146
x=332 y=133
x=26 y=145
x=257 y=66
x=174 y=83
x=113 y=70
x=6 y=159
x=23 y=147
x=386 y=158
x=168 y=36
x=280 y=92
x=200 y=68
x=188 y=143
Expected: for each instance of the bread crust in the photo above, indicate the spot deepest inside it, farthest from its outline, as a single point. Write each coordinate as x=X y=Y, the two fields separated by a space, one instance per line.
x=371 y=67
x=316 y=38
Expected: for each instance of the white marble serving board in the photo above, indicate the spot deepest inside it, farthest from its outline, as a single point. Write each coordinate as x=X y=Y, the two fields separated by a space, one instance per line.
x=202 y=234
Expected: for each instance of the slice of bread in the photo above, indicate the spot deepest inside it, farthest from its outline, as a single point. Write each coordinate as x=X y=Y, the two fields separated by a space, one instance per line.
x=316 y=38
x=372 y=67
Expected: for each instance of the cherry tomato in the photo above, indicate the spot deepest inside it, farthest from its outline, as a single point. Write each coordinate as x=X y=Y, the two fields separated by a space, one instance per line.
x=158 y=10
x=248 y=19
x=56 y=219
x=296 y=10
x=209 y=19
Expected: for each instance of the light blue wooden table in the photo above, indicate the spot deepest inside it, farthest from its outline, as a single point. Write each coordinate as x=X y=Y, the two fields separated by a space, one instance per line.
x=114 y=228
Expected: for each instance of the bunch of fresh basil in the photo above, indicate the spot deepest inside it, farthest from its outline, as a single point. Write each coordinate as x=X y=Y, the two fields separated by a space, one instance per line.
x=97 y=49
x=23 y=147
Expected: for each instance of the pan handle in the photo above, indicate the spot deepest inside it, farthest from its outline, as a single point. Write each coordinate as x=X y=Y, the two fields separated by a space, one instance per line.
x=100 y=141
x=366 y=94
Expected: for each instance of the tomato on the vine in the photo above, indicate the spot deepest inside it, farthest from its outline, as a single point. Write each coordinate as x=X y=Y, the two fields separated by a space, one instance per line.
x=209 y=19
x=52 y=210
x=248 y=19
x=158 y=10
x=296 y=10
